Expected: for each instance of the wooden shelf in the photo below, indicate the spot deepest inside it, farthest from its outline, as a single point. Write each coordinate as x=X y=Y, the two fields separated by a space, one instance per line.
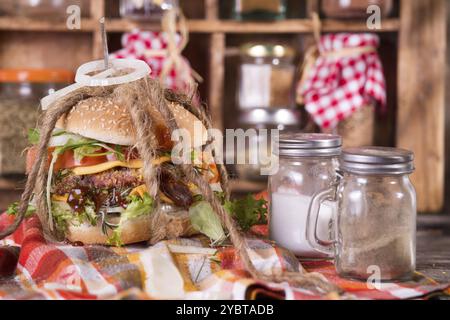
x=27 y=24
x=228 y=26
x=198 y=26
x=414 y=82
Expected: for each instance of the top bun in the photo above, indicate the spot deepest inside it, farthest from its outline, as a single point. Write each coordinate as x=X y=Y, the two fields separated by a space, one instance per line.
x=108 y=121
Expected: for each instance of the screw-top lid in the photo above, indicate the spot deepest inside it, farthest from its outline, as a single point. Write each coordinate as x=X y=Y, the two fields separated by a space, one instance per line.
x=270 y=116
x=377 y=160
x=308 y=145
x=264 y=50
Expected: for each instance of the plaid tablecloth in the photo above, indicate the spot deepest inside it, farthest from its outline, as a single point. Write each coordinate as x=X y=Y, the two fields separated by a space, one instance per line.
x=180 y=269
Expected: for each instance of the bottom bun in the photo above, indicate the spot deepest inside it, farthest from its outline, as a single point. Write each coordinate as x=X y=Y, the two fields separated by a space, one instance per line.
x=166 y=225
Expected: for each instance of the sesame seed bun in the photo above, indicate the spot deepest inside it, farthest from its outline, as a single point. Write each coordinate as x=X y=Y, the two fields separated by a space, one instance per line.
x=172 y=225
x=105 y=120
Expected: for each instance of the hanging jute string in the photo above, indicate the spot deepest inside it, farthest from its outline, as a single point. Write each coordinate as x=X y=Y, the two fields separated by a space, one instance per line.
x=138 y=97
x=173 y=59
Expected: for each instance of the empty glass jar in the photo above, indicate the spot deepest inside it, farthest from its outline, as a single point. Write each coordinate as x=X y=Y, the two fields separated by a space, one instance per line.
x=376 y=219
x=266 y=76
x=146 y=9
x=307 y=164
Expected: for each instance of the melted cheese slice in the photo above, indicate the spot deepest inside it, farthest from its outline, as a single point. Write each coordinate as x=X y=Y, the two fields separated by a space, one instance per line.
x=132 y=164
x=63 y=198
x=81 y=171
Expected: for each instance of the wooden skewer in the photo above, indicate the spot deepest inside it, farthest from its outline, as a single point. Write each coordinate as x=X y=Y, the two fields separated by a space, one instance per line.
x=105 y=42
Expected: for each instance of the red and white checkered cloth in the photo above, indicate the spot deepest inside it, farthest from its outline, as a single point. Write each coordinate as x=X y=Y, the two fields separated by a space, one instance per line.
x=48 y=270
x=138 y=45
x=347 y=75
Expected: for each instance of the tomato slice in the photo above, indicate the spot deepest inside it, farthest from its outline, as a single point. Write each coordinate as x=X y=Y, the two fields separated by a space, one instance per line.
x=215 y=173
x=31 y=158
x=67 y=160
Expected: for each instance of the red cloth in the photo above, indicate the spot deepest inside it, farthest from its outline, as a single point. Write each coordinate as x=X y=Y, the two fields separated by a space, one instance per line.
x=61 y=271
x=136 y=45
x=339 y=85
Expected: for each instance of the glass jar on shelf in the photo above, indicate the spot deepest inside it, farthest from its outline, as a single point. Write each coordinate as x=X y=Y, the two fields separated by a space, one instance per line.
x=354 y=9
x=259 y=9
x=20 y=94
x=375 y=230
x=266 y=76
x=8 y=7
x=258 y=150
x=146 y=9
x=50 y=9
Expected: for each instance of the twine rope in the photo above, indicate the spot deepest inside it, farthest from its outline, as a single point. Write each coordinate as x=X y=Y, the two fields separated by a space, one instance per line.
x=138 y=97
x=173 y=51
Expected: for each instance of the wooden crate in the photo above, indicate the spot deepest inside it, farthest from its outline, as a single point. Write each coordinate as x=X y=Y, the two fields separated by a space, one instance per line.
x=416 y=86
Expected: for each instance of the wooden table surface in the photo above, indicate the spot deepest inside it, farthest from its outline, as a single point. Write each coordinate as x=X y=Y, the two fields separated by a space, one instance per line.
x=433 y=241
x=433 y=247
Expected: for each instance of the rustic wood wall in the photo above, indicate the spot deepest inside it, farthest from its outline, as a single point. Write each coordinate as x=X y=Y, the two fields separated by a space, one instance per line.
x=447 y=122
x=421 y=81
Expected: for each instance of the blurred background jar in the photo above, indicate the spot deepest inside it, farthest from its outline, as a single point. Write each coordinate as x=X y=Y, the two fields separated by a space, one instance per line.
x=50 y=9
x=258 y=149
x=7 y=7
x=146 y=9
x=20 y=94
x=259 y=9
x=266 y=76
x=353 y=9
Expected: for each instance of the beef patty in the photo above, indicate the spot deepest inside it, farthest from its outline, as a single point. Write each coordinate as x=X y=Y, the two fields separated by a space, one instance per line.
x=117 y=178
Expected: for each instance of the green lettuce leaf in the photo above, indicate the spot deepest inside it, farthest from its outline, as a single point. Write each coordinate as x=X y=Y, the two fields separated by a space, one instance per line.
x=33 y=136
x=204 y=220
x=137 y=207
x=13 y=209
x=63 y=215
x=247 y=211
x=86 y=150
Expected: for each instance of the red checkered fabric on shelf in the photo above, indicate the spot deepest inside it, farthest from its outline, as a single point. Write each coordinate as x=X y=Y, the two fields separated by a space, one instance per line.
x=150 y=47
x=346 y=76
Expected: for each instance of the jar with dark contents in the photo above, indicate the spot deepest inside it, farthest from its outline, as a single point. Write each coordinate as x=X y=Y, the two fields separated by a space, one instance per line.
x=20 y=94
x=259 y=9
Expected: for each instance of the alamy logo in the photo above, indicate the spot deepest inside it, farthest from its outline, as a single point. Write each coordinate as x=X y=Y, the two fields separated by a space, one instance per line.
x=374 y=280
x=73 y=21
x=374 y=20
x=241 y=147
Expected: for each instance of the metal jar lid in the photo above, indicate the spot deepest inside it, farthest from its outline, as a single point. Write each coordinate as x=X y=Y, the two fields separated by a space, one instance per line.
x=308 y=145
x=270 y=116
x=377 y=160
x=266 y=50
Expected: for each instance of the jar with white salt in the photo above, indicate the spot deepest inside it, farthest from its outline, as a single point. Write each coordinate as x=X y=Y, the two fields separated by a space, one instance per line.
x=307 y=164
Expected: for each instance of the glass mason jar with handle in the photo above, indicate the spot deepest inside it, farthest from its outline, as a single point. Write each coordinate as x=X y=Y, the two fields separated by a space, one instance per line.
x=375 y=230
x=307 y=164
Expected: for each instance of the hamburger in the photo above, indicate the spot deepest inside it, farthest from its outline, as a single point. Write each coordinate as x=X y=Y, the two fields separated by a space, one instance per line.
x=96 y=192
